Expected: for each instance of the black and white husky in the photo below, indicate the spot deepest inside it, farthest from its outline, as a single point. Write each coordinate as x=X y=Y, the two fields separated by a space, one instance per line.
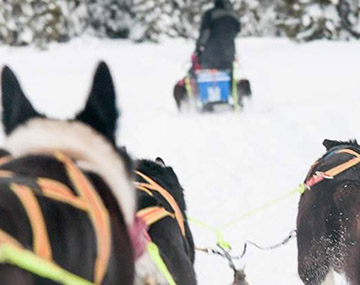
x=89 y=140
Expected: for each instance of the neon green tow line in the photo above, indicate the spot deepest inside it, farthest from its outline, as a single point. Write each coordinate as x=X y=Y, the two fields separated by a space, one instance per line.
x=188 y=88
x=220 y=239
x=300 y=190
x=30 y=262
x=159 y=262
x=219 y=236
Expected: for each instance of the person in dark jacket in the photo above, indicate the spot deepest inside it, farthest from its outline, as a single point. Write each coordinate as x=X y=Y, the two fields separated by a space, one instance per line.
x=216 y=44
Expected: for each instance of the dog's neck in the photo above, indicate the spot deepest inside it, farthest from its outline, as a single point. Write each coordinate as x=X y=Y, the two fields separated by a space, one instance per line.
x=80 y=142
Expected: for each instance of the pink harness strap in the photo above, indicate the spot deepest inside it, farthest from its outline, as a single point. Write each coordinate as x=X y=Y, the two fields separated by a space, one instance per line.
x=139 y=237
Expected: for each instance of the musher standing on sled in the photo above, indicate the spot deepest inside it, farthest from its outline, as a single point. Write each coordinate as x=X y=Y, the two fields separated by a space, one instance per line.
x=215 y=47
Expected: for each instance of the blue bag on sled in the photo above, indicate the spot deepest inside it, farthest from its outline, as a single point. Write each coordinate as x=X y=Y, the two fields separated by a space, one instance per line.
x=214 y=86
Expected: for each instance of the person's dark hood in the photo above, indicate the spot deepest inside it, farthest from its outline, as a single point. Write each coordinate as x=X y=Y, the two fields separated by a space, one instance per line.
x=222 y=4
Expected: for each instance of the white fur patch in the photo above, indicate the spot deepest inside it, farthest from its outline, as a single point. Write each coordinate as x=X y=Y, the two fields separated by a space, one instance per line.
x=146 y=271
x=330 y=279
x=81 y=143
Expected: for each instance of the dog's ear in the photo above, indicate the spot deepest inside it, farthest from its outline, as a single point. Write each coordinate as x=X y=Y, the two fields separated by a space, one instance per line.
x=16 y=107
x=160 y=161
x=328 y=144
x=123 y=148
x=100 y=111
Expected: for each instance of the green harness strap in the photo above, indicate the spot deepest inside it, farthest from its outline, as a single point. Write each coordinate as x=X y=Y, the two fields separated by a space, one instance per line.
x=30 y=262
x=188 y=88
x=159 y=262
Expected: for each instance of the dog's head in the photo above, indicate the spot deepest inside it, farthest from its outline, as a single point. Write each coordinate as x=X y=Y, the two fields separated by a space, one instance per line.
x=329 y=144
x=88 y=138
x=165 y=176
x=100 y=111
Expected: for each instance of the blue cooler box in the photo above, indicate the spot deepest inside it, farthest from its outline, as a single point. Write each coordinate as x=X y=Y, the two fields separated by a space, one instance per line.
x=214 y=86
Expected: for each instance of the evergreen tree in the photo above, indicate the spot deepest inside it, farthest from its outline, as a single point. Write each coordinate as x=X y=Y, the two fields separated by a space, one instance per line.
x=250 y=17
x=151 y=19
x=256 y=16
x=317 y=19
x=23 y=22
x=40 y=22
x=186 y=17
x=349 y=13
x=110 y=18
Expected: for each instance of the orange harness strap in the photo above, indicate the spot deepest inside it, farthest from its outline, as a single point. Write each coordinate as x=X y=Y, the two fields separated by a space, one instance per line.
x=54 y=190
x=151 y=185
x=144 y=189
x=57 y=191
x=41 y=243
x=6 y=173
x=5 y=159
x=88 y=201
x=8 y=239
x=331 y=173
x=152 y=215
x=99 y=216
x=346 y=165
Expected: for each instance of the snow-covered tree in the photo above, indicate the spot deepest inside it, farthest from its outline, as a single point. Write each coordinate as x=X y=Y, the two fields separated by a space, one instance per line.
x=151 y=19
x=39 y=22
x=349 y=13
x=186 y=17
x=110 y=18
x=23 y=22
x=255 y=17
x=307 y=20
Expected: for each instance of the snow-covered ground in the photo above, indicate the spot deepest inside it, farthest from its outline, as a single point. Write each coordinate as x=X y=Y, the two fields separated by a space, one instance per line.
x=229 y=163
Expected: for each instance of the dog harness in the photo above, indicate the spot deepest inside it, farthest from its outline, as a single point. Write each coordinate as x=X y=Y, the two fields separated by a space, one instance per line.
x=151 y=215
x=154 y=214
x=87 y=199
x=331 y=173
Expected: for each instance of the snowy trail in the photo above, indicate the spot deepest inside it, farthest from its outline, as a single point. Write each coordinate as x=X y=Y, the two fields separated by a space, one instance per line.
x=228 y=163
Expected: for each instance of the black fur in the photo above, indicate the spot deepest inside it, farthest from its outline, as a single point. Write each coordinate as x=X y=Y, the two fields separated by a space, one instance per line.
x=244 y=88
x=328 y=144
x=178 y=252
x=128 y=162
x=71 y=233
x=101 y=111
x=16 y=107
x=180 y=95
x=3 y=152
x=328 y=220
x=160 y=161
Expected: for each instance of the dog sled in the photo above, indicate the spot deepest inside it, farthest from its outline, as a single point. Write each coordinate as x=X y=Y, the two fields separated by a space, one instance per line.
x=207 y=89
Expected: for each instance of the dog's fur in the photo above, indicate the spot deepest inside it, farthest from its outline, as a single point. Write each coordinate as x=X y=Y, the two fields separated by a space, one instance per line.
x=89 y=139
x=176 y=250
x=180 y=94
x=328 y=222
